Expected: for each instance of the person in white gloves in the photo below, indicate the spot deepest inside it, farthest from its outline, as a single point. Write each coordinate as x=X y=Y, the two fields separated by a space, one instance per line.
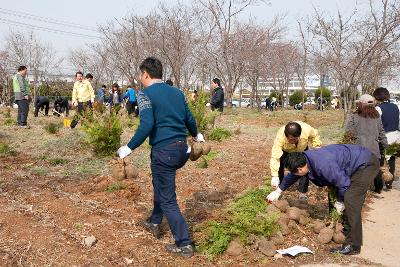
x=349 y=169
x=165 y=118
x=296 y=136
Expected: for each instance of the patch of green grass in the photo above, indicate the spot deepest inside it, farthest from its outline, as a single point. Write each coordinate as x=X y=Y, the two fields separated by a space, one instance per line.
x=52 y=128
x=203 y=161
x=115 y=187
x=5 y=149
x=245 y=216
x=40 y=171
x=219 y=134
x=10 y=122
x=57 y=161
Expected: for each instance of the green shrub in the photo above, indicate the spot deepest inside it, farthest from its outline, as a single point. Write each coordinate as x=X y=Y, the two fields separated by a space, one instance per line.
x=326 y=93
x=4 y=149
x=52 y=128
x=10 y=122
x=104 y=134
x=115 y=187
x=296 y=98
x=245 y=216
x=204 y=117
x=219 y=134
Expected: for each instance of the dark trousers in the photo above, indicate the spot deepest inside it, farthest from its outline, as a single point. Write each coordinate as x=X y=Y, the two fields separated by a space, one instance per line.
x=164 y=163
x=131 y=107
x=354 y=199
x=42 y=106
x=23 y=110
x=82 y=107
x=303 y=181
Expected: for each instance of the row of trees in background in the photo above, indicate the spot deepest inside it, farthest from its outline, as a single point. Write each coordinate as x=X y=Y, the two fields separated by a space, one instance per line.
x=207 y=38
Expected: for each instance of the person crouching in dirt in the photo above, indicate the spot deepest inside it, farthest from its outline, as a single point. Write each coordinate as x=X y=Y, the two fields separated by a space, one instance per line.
x=61 y=105
x=41 y=103
x=296 y=136
x=350 y=169
x=165 y=123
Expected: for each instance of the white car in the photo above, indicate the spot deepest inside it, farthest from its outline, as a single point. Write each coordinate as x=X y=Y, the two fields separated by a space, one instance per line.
x=244 y=104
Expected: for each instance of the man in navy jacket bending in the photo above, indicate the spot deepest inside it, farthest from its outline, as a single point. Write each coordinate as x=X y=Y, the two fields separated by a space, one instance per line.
x=164 y=118
x=350 y=169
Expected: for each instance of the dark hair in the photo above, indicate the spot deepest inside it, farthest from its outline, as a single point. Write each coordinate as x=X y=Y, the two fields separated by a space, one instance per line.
x=153 y=67
x=169 y=82
x=293 y=129
x=381 y=94
x=115 y=85
x=104 y=86
x=20 y=68
x=89 y=76
x=366 y=110
x=78 y=72
x=217 y=81
x=295 y=160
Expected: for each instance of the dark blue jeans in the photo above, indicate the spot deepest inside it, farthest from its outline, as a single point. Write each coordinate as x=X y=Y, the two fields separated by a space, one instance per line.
x=23 y=110
x=164 y=163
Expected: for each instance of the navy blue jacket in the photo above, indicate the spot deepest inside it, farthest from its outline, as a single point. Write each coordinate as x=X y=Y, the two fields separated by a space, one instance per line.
x=217 y=99
x=164 y=116
x=332 y=165
x=390 y=116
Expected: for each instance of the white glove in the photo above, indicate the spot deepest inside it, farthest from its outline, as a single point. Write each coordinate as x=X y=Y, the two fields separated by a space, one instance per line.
x=75 y=104
x=199 y=138
x=339 y=206
x=208 y=104
x=124 y=151
x=273 y=196
x=275 y=181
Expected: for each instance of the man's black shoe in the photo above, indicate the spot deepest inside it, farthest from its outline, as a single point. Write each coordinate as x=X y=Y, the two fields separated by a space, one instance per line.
x=152 y=228
x=185 y=251
x=347 y=250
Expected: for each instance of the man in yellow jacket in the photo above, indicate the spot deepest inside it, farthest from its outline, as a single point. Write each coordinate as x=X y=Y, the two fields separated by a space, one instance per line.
x=82 y=96
x=296 y=136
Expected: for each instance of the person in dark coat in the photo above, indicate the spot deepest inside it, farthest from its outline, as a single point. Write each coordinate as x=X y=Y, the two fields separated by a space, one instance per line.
x=61 y=105
x=42 y=102
x=217 y=97
x=349 y=169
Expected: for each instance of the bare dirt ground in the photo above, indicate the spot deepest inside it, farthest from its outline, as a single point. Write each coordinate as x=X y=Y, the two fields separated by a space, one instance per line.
x=48 y=206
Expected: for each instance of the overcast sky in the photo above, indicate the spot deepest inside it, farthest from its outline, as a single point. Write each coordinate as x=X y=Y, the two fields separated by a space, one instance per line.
x=86 y=15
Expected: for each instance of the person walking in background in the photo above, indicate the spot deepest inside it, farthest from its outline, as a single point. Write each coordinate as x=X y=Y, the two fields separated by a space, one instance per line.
x=82 y=97
x=21 y=95
x=100 y=94
x=131 y=104
x=42 y=102
x=115 y=99
x=217 y=97
x=296 y=136
x=366 y=126
x=390 y=120
x=165 y=118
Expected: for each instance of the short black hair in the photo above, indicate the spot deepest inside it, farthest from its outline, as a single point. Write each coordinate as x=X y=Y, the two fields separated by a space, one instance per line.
x=78 y=72
x=217 y=81
x=169 y=82
x=104 y=86
x=381 y=94
x=295 y=160
x=20 y=68
x=89 y=76
x=293 y=129
x=115 y=85
x=153 y=67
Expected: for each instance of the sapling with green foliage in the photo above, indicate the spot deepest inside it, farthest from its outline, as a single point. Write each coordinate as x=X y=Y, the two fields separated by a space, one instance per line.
x=204 y=117
x=104 y=134
x=245 y=216
x=219 y=134
x=52 y=127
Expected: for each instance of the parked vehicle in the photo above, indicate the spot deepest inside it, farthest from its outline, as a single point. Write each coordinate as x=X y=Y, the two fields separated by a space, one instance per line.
x=244 y=104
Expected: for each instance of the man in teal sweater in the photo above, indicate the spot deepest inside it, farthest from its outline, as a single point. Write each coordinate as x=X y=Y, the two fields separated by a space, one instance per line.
x=164 y=118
